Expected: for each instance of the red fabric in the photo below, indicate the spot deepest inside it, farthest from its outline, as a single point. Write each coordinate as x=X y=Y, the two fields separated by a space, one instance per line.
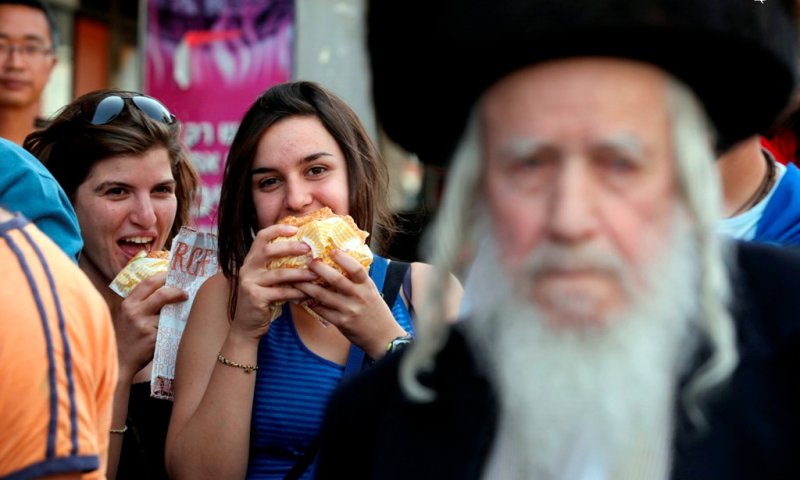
x=782 y=146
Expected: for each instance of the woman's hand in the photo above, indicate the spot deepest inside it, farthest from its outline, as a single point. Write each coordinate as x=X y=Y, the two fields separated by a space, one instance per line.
x=353 y=304
x=260 y=289
x=136 y=322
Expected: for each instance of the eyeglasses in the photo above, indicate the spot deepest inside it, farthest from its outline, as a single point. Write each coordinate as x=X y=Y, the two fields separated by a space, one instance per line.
x=27 y=50
x=109 y=108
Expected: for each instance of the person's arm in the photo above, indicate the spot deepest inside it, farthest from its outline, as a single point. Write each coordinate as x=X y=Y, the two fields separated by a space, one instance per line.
x=422 y=276
x=119 y=415
x=353 y=304
x=135 y=327
x=209 y=431
x=107 y=367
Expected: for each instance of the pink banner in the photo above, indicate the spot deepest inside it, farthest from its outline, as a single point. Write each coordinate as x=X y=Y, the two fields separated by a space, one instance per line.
x=208 y=61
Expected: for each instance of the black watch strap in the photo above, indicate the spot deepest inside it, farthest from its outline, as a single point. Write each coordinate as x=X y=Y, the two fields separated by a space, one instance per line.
x=399 y=343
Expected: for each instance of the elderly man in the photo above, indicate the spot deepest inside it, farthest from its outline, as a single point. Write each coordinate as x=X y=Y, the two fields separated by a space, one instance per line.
x=612 y=334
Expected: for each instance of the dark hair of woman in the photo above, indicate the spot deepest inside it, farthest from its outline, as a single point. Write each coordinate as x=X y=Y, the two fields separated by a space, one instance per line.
x=368 y=178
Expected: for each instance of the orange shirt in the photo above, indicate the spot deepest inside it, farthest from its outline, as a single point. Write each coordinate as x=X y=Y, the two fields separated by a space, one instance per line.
x=58 y=361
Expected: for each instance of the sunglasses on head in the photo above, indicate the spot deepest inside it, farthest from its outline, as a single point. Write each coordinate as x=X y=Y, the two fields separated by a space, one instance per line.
x=109 y=108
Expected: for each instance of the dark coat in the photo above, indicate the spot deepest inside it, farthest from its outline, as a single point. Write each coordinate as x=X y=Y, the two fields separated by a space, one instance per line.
x=372 y=431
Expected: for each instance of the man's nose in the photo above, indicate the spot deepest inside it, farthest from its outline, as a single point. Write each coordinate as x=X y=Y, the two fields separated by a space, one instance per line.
x=573 y=215
x=143 y=213
x=13 y=57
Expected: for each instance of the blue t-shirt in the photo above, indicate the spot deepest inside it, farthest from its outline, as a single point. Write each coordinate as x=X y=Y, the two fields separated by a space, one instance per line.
x=291 y=394
x=780 y=222
x=27 y=187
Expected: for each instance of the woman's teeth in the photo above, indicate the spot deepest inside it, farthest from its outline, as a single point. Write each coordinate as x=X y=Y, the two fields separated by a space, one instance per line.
x=145 y=242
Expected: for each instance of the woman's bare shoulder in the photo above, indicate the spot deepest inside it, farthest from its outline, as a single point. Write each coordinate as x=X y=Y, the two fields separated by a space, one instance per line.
x=212 y=297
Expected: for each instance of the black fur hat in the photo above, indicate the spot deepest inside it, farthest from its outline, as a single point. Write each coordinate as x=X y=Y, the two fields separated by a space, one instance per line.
x=432 y=59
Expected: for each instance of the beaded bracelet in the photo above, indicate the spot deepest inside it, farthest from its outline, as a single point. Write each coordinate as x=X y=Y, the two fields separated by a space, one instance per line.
x=119 y=431
x=246 y=368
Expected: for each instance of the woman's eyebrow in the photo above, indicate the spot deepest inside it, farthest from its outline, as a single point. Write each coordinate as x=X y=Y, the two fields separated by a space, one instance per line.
x=307 y=159
x=109 y=184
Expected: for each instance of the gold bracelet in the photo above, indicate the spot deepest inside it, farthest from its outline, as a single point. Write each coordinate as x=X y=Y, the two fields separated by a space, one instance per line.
x=246 y=368
x=119 y=431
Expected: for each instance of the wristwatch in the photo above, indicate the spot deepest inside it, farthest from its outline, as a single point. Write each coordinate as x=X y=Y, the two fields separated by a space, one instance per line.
x=399 y=343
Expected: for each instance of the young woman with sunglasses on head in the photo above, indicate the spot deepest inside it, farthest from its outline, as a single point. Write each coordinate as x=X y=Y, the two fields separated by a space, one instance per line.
x=299 y=148
x=119 y=158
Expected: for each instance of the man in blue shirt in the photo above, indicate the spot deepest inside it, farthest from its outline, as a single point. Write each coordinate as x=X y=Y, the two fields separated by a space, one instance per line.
x=761 y=196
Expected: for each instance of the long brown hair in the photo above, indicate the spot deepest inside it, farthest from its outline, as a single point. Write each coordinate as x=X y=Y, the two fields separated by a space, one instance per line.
x=367 y=182
x=70 y=146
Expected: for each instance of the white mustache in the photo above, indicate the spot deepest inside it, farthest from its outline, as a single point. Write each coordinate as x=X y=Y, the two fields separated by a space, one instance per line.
x=592 y=257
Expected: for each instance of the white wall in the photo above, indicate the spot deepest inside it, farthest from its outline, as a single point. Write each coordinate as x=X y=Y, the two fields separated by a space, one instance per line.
x=329 y=49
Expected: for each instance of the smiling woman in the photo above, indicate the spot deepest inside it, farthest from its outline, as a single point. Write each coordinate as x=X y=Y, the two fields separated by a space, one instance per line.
x=125 y=205
x=298 y=150
x=120 y=161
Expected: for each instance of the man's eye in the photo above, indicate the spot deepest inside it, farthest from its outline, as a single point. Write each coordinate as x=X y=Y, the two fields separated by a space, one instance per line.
x=531 y=162
x=30 y=49
x=620 y=163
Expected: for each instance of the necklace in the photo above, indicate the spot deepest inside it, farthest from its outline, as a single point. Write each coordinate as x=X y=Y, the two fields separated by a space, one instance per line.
x=762 y=190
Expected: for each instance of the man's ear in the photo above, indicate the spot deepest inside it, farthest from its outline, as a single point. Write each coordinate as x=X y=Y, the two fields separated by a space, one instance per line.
x=52 y=66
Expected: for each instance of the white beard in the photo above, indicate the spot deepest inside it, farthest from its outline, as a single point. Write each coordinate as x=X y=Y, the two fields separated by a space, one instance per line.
x=587 y=402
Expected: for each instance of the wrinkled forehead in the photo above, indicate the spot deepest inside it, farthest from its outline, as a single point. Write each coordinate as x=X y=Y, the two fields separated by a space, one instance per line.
x=617 y=76
x=579 y=99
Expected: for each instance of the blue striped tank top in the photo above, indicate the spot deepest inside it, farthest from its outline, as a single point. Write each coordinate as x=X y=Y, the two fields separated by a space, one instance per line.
x=292 y=390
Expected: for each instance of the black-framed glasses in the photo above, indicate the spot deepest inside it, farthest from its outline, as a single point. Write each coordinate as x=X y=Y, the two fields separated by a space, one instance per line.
x=109 y=108
x=26 y=50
